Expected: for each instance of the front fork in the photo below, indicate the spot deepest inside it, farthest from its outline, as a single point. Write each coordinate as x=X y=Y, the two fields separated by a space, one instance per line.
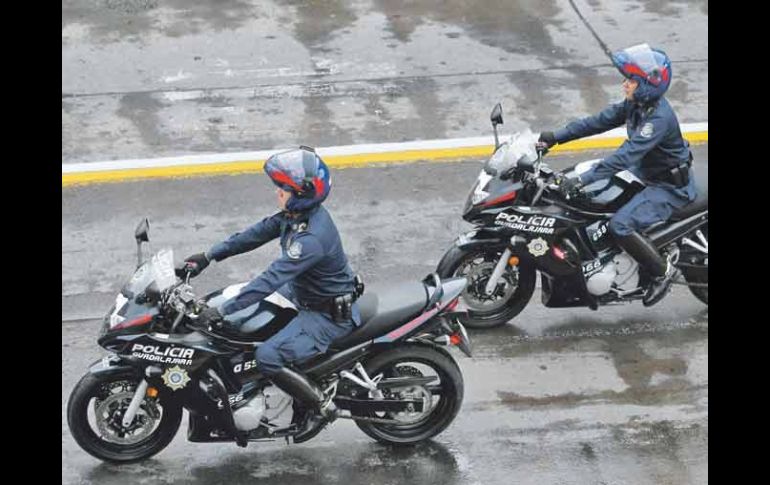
x=501 y=264
x=498 y=272
x=139 y=395
x=136 y=401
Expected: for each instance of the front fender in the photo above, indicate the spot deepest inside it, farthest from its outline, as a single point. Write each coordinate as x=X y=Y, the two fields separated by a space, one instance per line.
x=481 y=236
x=461 y=245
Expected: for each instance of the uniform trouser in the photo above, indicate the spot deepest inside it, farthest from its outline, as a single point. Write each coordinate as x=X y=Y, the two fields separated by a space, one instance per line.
x=308 y=334
x=653 y=204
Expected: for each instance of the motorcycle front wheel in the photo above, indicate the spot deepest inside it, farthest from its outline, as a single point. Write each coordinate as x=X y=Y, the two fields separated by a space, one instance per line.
x=95 y=412
x=476 y=264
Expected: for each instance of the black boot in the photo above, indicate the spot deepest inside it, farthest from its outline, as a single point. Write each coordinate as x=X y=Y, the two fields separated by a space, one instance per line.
x=320 y=412
x=660 y=285
x=662 y=273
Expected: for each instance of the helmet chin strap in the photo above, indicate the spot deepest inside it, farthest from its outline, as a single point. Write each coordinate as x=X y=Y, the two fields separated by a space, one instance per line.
x=301 y=204
x=642 y=95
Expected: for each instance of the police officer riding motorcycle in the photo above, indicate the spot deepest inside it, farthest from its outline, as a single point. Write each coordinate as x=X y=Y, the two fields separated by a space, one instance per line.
x=655 y=151
x=602 y=232
x=312 y=272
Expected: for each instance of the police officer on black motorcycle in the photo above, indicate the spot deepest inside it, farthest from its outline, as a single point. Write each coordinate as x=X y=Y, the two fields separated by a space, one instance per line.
x=655 y=151
x=313 y=272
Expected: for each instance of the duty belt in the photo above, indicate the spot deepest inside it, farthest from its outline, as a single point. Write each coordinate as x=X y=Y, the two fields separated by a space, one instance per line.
x=338 y=307
x=678 y=176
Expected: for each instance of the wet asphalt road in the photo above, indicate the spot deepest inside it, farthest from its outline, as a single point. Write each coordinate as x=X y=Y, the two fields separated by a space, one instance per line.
x=153 y=78
x=613 y=397
x=567 y=396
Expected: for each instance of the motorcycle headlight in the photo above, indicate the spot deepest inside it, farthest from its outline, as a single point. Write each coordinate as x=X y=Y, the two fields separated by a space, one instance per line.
x=106 y=322
x=478 y=196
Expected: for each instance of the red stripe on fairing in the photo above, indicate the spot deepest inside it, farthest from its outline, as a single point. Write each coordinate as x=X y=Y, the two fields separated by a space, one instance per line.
x=132 y=323
x=411 y=325
x=282 y=178
x=502 y=198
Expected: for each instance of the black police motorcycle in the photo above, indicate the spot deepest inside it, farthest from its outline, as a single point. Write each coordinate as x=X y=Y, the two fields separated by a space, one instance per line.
x=393 y=375
x=523 y=224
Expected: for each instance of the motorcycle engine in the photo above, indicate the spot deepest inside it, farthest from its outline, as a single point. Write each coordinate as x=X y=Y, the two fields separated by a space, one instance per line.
x=600 y=283
x=627 y=272
x=622 y=273
x=248 y=416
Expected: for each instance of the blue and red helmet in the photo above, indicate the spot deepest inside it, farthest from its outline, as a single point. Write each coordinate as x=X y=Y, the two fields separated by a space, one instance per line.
x=650 y=67
x=301 y=172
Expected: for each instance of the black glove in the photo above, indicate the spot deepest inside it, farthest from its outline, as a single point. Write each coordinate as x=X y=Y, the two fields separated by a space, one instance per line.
x=547 y=138
x=570 y=187
x=209 y=317
x=195 y=264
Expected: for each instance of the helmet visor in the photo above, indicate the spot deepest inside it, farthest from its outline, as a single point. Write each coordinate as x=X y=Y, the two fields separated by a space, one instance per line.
x=644 y=62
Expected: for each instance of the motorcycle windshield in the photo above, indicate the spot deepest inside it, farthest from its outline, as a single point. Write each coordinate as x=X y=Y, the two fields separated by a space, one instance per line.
x=159 y=270
x=520 y=148
x=489 y=187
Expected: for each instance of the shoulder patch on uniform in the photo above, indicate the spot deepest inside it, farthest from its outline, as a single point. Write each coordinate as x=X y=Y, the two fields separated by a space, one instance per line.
x=647 y=129
x=294 y=250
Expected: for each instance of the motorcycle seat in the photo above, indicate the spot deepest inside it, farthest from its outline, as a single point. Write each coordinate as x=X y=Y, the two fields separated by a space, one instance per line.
x=384 y=311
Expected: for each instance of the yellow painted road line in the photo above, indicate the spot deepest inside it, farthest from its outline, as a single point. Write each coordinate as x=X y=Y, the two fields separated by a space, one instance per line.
x=337 y=161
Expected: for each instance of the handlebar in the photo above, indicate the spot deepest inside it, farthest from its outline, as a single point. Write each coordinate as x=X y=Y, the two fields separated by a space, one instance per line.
x=182 y=269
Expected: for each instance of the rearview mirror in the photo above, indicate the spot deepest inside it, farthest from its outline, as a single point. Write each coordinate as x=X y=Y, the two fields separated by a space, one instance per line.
x=141 y=231
x=497 y=115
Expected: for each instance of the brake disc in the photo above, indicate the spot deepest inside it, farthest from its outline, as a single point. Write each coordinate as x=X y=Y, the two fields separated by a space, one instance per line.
x=475 y=293
x=109 y=414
